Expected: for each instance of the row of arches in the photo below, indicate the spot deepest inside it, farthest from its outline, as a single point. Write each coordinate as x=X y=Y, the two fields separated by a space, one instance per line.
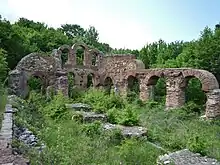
x=157 y=89
x=79 y=54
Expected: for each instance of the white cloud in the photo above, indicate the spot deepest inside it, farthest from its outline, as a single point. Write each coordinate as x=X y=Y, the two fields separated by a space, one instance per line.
x=115 y=27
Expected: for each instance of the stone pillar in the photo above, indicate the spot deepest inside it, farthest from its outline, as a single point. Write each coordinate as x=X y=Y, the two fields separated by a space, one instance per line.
x=175 y=93
x=18 y=83
x=72 y=57
x=123 y=88
x=213 y=104
x=87 y=59
x=146 y=91
x=62 y=85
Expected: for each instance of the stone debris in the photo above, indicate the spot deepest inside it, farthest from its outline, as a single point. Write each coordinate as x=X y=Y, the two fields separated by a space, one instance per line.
x=92 y=116
x=185 y=157
x=79 y=107
x=28 y=138
x=126 y=131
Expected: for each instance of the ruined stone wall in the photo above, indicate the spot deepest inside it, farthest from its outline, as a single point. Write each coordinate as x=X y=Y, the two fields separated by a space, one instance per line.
x=119 y=68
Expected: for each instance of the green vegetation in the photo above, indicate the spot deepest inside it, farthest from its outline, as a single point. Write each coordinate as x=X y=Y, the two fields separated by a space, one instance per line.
x=3 y=100
x=70 y=141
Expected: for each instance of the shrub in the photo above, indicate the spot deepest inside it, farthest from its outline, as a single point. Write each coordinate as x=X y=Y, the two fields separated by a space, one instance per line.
x=3 y=100
x=126 y=116
x=92 y=129
x=35 y=84
x=56 y=108
x=129 y=117
x=102 y=102
x=197 y=144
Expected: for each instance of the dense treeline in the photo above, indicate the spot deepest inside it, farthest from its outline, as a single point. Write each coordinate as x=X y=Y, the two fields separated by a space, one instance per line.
x=26 y=36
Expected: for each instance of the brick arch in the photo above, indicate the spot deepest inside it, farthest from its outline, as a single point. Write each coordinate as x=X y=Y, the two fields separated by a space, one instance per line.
x=130 y=82
x=98 y=57
x=86 y=52
x=70 y=52
x=108 y=76
x=95 y=77
x=153 y=76
x=207 y=79
x=131 y=73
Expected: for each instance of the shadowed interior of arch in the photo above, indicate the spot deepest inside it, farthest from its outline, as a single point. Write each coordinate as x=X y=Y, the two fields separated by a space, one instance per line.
x=90 y=80
x=80 y=53
x=157 y=88
x=108 y=84
x=133 y=88
x=35 y=83
x=64 y=56
x=194 y=92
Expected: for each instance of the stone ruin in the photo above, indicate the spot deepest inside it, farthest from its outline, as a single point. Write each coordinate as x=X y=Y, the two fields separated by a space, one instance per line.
x=117 y=70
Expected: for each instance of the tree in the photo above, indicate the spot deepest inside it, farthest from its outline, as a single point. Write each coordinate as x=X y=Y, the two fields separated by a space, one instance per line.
x=3 y=65
x=72 y=30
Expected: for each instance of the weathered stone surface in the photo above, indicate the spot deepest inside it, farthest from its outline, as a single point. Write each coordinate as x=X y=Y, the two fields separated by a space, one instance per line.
x=185 y=157
x=27 y=137
x=213 y=104
x=6 y=129
x=79 y=107
x=92 y=116
x=6 y=134
x=118 y=69
x=126 y=131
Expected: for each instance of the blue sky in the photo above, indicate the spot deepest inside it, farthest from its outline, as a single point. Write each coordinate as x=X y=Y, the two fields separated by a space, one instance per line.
x=122 y=23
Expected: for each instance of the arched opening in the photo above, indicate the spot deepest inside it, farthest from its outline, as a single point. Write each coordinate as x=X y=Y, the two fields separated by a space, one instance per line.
x=71 y=83
x=80 y=53
x=133 y=88
x=157 y=89
x=64 y=56
x=94 y=60
x=108 y=84
x=194 y=94
x=35 y=83
x=90 y=80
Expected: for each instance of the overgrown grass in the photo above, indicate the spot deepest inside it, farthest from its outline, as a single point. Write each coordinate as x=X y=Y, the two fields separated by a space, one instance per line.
x=3 y=101
x=71 y=142
x=178 y=129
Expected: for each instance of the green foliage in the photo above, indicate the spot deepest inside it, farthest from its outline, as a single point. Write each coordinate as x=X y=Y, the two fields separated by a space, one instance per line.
x=101 y=101
x=56 y=108
x=92 y=128
x=197 y=144
x=66 y=138
x=194 y=92
x=131 y=151
x=160 y=90
x=78 y=117
x=3 y=98
x=126 y=116
x=35 y=84
x=3 y=65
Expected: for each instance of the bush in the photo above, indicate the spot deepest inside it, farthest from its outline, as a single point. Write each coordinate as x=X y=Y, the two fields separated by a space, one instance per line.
x=56 y=108
x=92 y=129
x=126 y=116
x=35 y=84
x=3 y=98
x=102 y=102
x=3 y=65
x=197 y=144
